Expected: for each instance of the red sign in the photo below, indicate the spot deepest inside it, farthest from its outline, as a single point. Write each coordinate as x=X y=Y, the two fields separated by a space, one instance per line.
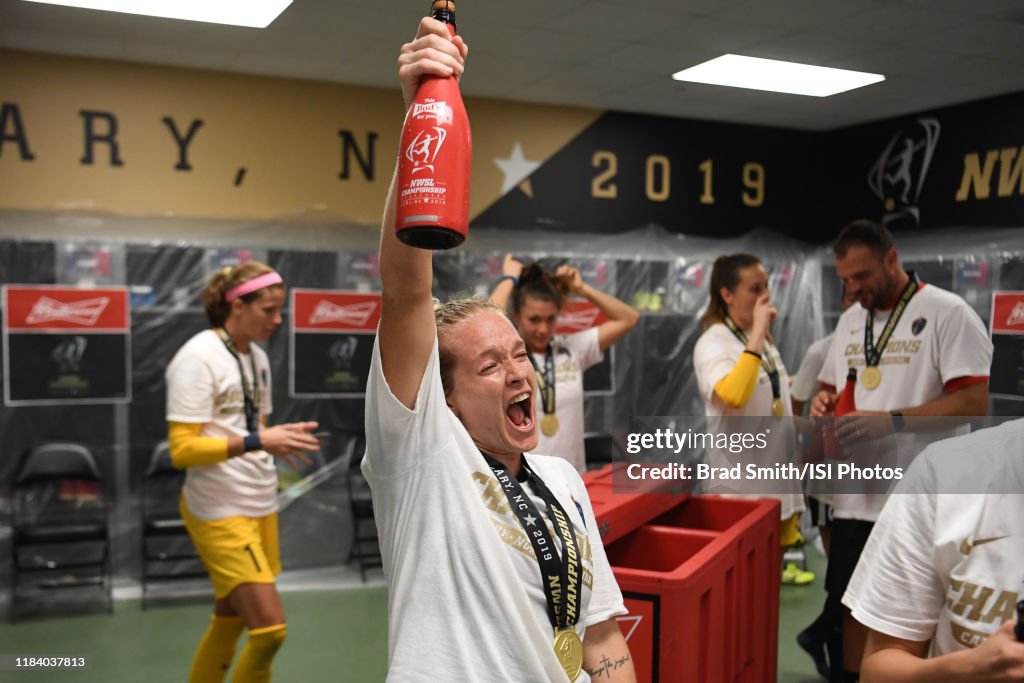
x=638 y=628
x=1008 y=313
x=578 y=315
x=328 y=310
x=65 y=309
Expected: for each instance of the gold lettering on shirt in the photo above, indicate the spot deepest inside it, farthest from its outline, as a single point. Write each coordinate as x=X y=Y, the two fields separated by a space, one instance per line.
x=973 y=602
x=494 y=497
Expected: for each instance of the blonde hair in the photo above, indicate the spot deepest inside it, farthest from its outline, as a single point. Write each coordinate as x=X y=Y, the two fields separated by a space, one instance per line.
x=447 y=316
x=218 y=310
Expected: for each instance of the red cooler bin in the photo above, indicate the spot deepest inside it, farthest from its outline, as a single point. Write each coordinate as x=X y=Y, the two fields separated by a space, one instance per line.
x=701 y=582
x=626 y=508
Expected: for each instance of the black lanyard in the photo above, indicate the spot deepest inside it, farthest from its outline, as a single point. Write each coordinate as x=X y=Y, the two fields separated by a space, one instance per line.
x=546 y=380
x=767 y=361
x=873 y=355
x=561 y=577
x=251 y=398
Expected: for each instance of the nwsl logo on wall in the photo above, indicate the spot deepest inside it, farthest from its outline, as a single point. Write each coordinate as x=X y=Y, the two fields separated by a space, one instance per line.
x=898 y=175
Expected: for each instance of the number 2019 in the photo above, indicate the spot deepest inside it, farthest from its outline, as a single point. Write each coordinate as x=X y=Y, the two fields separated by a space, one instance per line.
x=658 y=179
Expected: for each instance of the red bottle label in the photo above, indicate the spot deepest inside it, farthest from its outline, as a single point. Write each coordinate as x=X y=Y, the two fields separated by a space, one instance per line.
x=434 y=168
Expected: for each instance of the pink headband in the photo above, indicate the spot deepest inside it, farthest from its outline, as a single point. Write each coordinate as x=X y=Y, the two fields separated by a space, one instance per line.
x=250 y=286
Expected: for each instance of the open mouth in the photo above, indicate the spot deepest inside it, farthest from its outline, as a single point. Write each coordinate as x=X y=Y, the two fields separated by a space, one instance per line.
x=519 y=411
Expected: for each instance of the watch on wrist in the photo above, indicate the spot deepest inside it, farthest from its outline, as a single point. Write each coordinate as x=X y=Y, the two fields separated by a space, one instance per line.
x=897 y=420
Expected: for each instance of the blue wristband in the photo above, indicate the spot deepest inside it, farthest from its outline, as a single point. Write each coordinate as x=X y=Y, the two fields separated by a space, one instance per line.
x=251 y=442
x=513 y=278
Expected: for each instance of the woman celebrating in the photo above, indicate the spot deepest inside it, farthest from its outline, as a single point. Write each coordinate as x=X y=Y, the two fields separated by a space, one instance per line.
x=740 y=374
x=218 y=392
x=537 y=297
x=478 y=588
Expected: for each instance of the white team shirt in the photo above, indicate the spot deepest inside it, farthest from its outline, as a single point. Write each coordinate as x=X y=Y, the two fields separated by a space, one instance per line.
x=947 y=567
x=715 y=355
x=805 y=383
x=939 y=338
x=573 y=355
x=204 y=387
x=465 y=599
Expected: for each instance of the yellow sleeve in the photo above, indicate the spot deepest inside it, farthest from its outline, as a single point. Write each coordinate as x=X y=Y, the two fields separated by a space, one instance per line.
x=188 y=449
x=738 y=386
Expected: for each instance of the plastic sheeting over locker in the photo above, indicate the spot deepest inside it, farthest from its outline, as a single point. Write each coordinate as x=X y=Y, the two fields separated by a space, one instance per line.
x=165 y=263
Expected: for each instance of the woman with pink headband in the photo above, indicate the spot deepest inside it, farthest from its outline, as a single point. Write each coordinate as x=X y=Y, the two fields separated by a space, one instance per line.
x=218 y=394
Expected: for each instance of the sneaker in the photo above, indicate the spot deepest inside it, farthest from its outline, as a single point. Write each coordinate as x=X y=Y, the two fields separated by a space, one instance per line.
x=815 y=647
x=793 y=575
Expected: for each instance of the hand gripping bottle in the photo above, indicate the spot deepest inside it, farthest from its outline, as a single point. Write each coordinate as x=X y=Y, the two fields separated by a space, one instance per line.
x=844 y=405
x=434 y=160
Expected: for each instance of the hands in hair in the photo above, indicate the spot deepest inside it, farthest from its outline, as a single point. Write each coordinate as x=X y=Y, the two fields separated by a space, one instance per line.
x=571 y=277
x=512 y=266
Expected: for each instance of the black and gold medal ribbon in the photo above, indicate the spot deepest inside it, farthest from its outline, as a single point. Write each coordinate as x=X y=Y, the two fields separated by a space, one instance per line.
x=250 y=395
x=872 y=376
x=546 y=384
x=562 y=577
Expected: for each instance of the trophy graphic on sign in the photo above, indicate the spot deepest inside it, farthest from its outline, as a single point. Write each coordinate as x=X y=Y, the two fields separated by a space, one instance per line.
x=68 y=354
x=342 y=352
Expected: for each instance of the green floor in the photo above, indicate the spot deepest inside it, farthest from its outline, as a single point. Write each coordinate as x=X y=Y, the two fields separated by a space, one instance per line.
x=337 y=635
x=798 y=607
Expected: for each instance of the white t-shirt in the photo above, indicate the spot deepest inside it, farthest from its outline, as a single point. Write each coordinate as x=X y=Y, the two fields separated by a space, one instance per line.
x=204 y=387
x=573 y=354
x=465 y=600
x=715 y=355
x=805 y=383
x=947 y=567
x=938 y=338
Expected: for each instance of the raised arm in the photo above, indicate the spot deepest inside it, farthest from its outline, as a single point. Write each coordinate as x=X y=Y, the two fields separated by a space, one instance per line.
x=511 y=270
x=406 y=333
x=621 y=316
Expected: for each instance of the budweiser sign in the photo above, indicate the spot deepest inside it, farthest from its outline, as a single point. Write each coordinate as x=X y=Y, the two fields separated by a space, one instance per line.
x=349 y=314
x=578 y=320
x=1016 y=316
x=578 y=315
x=44 y=308
x=330 y=310
x=85 y=312
x=1007 y=312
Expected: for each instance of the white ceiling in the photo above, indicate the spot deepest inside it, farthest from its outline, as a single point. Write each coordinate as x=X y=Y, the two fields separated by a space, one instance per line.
x=598 y=54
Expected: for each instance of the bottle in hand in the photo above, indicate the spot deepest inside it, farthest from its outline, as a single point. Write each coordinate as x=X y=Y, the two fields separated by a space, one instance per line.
x=845 y=404
x=434 y=160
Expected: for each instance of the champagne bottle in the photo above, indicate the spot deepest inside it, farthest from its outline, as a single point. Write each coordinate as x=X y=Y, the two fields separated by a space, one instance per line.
x=434 y=160
x=845 y=404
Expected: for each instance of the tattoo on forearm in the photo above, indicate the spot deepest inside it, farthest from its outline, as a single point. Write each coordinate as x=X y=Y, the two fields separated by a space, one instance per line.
x=607 y=666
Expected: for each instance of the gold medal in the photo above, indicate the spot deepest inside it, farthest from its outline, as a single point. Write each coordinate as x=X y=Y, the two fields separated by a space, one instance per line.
x=778 y=410
x=871 y=377
x=549 y=424
x=569 y=650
